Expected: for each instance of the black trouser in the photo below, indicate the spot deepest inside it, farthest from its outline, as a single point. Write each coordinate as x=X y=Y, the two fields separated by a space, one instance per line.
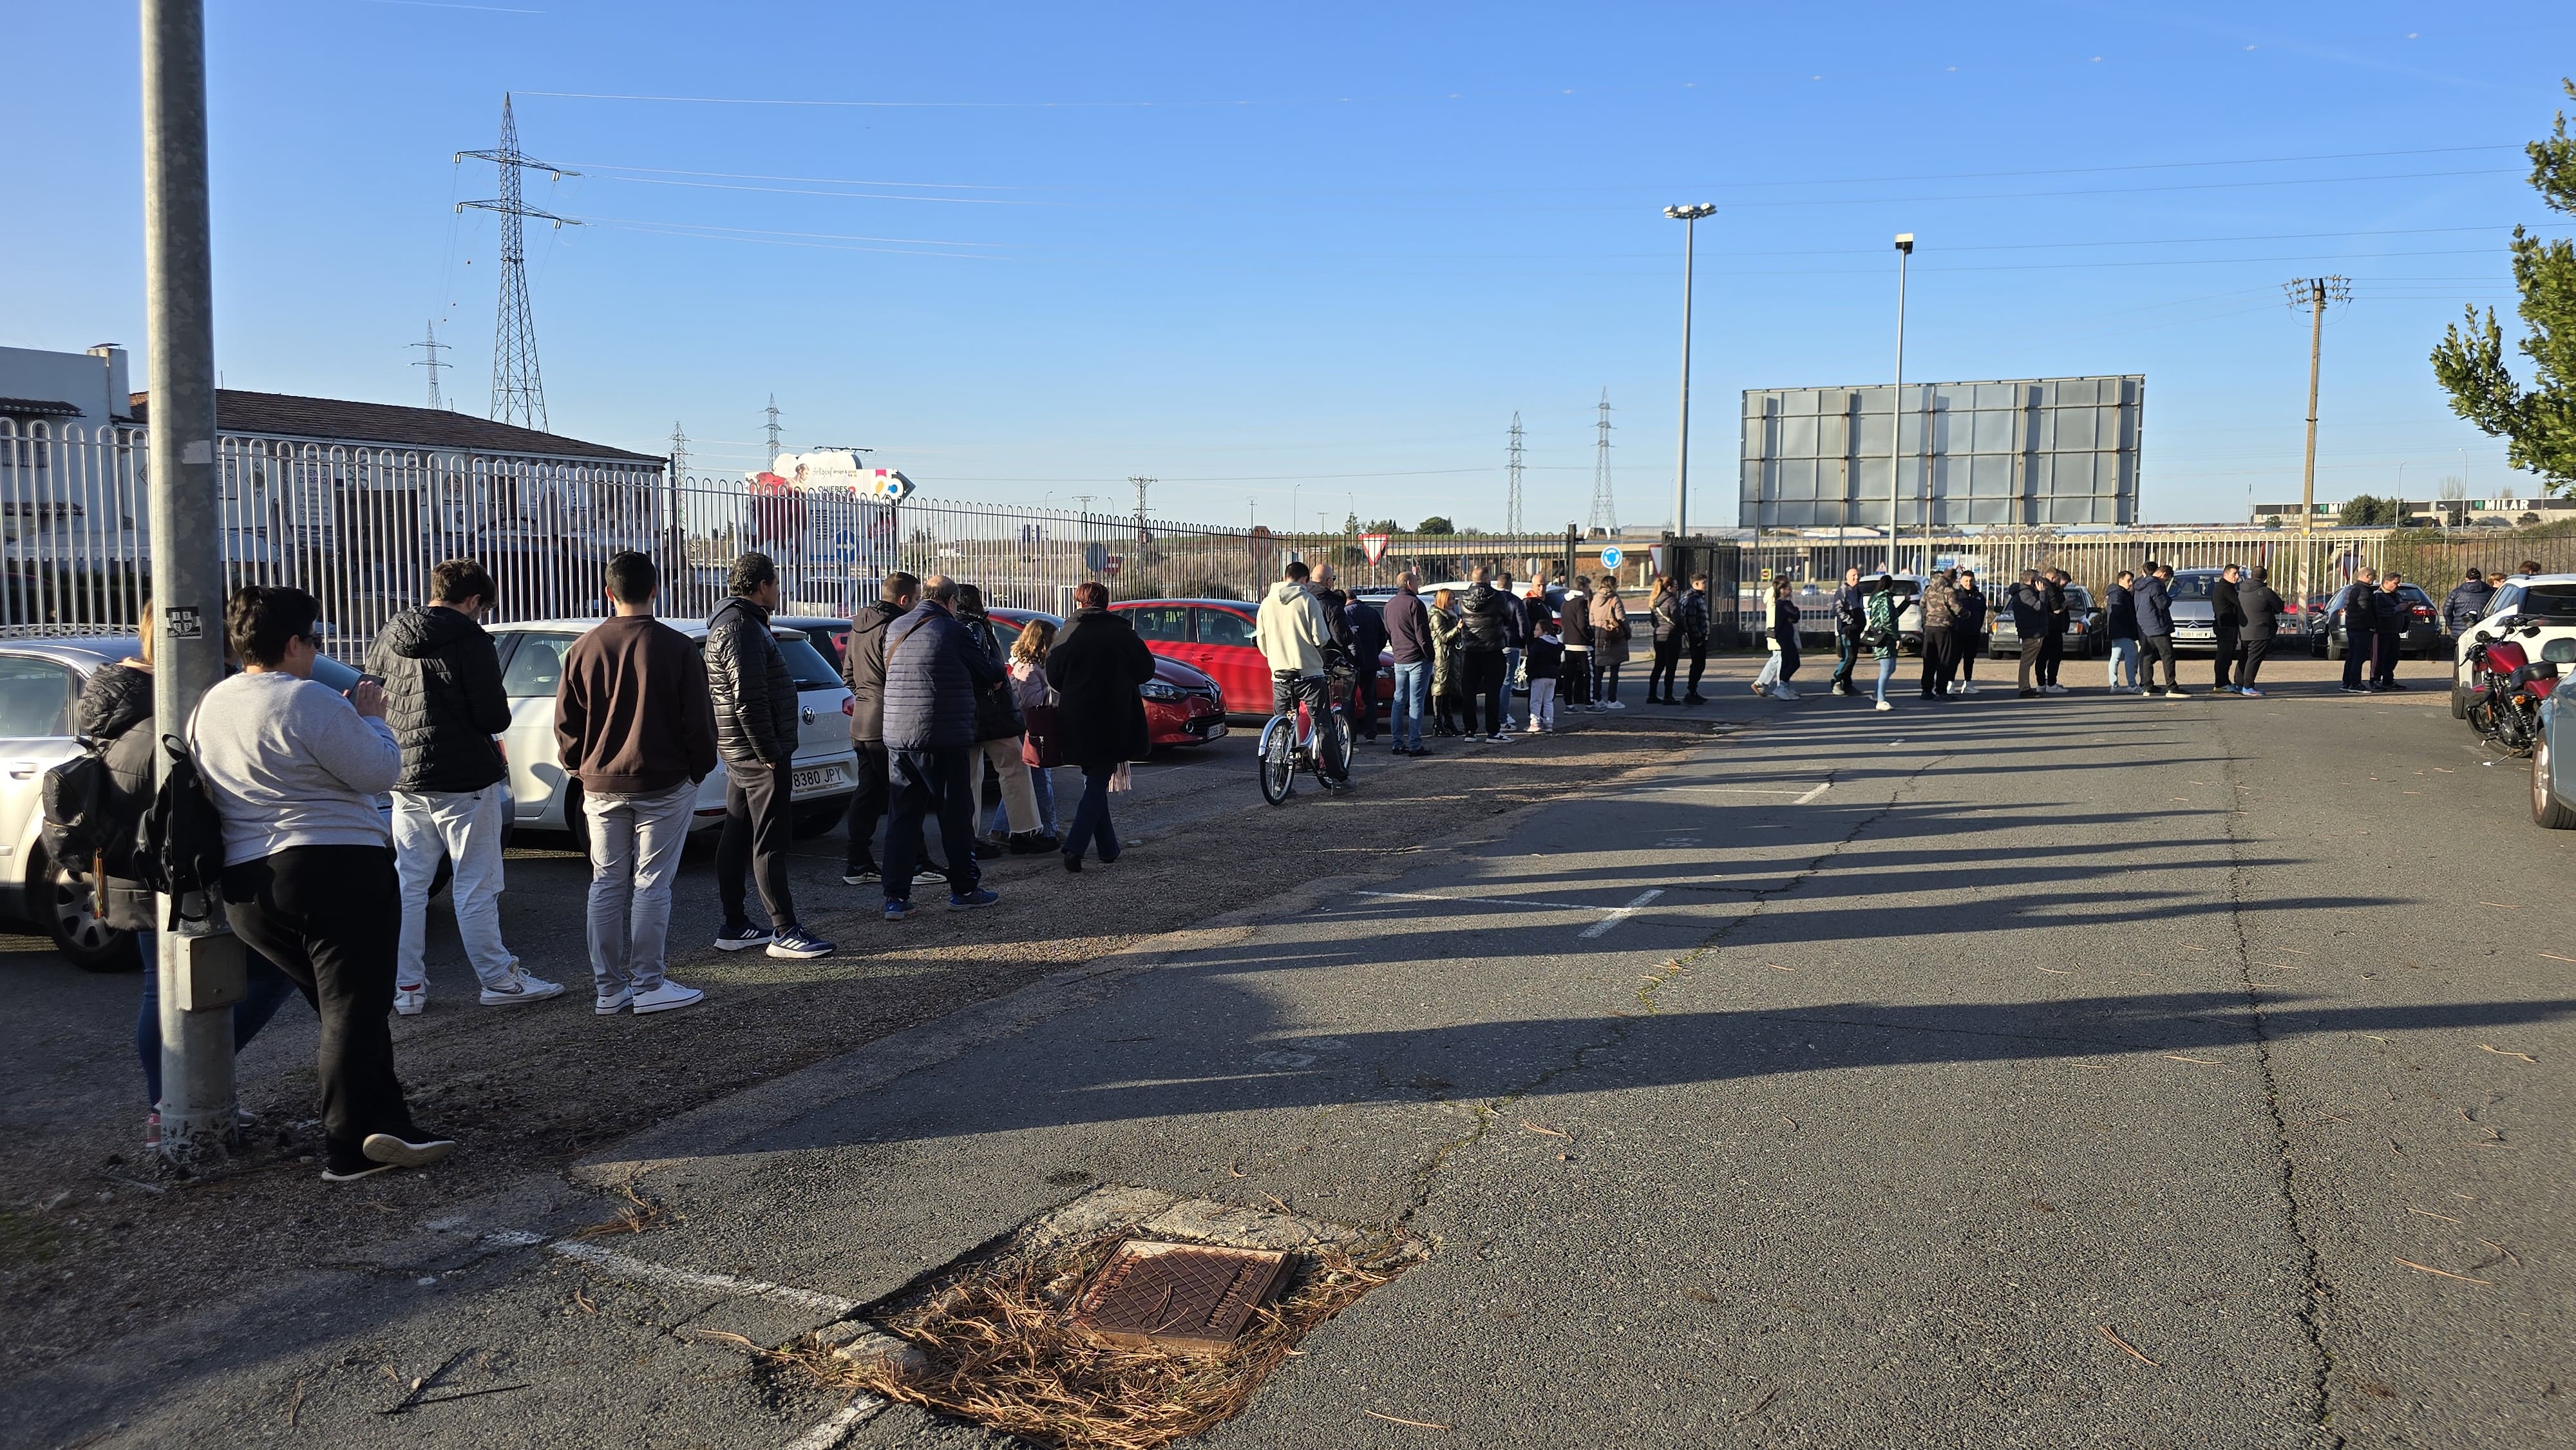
x=2031 y=662
x=1936 y=658
x=1972 y=643
x=1364 y=700
x=2152 y=648
x=867 y=803
x=1289 y=687
x=1787 y=640
x=1089 y=828
x=931 y=784
x=1668 y=660
x=1963 y=650
x=330 y=917
x=1846 y=657
x=1574 y=682
x=2222 y=661
x=1484 y=683
x=1605 y=677
x=2255 y=648
x=1699 y=665
x=2383 y=657
x=2357 y=650
x=753 y=844
x=2052 y=651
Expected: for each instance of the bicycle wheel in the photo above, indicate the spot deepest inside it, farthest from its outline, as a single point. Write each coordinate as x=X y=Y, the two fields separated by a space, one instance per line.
x=1338 y=766
x=1278 y=759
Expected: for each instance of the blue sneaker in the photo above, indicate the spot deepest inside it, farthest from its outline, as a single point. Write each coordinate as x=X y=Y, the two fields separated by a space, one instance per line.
x=899 y=909
x=741 y=938
x=799 y=943
x=980 y=896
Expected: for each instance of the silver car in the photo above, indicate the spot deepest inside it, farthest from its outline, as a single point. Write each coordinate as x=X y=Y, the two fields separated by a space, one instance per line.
x=546 y=799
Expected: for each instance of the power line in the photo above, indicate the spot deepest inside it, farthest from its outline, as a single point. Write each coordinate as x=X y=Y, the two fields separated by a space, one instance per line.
x=1605 y=514
x=429 y=359
x=518 y=389
x=772 y=429
x=1512 y=490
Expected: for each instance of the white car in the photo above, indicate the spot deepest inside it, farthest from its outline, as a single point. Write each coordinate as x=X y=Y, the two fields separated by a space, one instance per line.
x=2545 y=600
x=546 y=799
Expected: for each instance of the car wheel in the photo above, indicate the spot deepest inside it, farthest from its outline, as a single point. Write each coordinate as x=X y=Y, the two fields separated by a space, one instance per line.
x=71 y=918
x=2547 y=811
x=812 y=821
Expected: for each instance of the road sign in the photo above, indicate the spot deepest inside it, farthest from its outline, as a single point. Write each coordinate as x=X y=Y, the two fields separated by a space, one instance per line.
x=1109 y=566
x=1373 y=545
x=1611 y=557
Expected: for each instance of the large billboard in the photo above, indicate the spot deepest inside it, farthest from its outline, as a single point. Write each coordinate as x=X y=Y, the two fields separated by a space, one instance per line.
x=2033 y=452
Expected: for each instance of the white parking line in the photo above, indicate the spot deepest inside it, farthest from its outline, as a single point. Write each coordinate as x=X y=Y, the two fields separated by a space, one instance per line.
x=1622 y=913
x=1479 y=900
x=832 y=1429
x=1810 y=796
x=622 y=1266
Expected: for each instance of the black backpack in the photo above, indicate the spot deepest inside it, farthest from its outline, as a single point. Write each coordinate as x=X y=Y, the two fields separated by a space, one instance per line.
x=179 y=847
x=78 y=823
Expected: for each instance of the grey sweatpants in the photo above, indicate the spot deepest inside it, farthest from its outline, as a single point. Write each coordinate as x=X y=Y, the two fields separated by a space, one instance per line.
x=635 y=844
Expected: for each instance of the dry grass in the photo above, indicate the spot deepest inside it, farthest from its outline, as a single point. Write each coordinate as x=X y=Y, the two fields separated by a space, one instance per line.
x=1002 y=1355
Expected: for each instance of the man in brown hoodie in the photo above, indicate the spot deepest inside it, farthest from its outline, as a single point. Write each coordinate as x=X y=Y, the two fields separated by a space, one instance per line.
x=635 y=725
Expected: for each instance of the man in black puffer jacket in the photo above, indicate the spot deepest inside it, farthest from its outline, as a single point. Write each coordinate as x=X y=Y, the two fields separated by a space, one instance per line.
x=934 y=672
x=756 y=709
x=863 y=666
x=1484 y=632
x=444 y=703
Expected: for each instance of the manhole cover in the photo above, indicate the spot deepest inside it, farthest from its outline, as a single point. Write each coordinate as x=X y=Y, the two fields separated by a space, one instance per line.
x=1179 y=1296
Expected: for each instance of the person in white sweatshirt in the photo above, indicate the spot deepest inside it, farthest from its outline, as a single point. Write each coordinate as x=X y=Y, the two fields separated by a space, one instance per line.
x=294 y=770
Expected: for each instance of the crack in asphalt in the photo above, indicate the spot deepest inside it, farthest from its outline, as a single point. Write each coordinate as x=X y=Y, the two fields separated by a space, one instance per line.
x=2312 y=1301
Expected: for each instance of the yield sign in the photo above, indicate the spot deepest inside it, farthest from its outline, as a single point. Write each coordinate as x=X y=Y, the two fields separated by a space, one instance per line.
x=1374 y=545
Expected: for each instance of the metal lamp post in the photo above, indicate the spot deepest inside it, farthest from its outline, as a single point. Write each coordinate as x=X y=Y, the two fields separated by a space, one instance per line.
x=1689 y=217
x=1896 y=418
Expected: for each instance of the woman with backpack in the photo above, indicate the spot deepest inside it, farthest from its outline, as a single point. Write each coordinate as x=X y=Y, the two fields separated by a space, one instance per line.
x=115 y=716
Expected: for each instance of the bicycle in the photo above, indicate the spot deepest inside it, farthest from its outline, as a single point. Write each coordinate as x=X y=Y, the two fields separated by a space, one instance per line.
x=1288 y=744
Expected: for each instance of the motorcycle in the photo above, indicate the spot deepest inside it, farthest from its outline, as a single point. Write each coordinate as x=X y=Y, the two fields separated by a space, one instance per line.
x=2510 y=687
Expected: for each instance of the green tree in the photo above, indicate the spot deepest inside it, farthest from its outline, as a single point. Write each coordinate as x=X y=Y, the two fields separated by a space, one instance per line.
x=1435 y=525
x=2370 y=511
x=1350 y=523
x=1382 y=526
x=2539 y=422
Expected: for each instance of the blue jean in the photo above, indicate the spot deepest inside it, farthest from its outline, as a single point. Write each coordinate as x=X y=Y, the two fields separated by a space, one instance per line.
x=1886 y=672
x=2124 y=661
x=268 y=990
x=1041 y=785
x=1412 y=703
x=1091 y=816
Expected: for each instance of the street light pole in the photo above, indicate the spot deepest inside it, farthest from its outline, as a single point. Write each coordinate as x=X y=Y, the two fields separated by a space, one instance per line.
x=1689 y=217
x=1896 y=416
x=200 y=976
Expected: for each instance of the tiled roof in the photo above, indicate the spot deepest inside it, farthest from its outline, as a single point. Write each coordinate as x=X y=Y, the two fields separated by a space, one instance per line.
x=284 y=415
x=38 y=408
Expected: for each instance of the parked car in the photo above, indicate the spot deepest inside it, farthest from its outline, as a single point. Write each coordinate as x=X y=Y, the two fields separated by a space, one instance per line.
x=40 y=686
x=2087 y=633
x=1183 y=704
x=829 y=634
x=2545 y=600
x=2423 y=635
x=545 y=799
x=1215 y=637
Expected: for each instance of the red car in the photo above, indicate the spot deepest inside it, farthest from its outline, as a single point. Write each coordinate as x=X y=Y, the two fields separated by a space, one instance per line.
x=1182 y=705
x=1215 y=635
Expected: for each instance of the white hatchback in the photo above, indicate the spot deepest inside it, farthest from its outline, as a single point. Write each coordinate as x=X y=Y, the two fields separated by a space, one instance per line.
x=546 y=799
x=2547 y=601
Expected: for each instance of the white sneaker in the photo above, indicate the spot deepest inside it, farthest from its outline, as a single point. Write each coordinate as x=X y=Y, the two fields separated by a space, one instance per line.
x=1499 y=738
x=1884 y=705
x=1783 y=692
x=611 y=1006
x=1967 y=687
x=667 y=997
x=1618 y=705
x=408 y=1001
x=519 y=987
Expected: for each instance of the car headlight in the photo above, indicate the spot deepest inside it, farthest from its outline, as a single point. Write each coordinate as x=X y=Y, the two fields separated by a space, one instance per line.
x=1159 y=690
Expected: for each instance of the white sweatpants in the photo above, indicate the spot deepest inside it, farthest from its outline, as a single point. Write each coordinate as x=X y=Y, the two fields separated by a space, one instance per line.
x=1542 y=704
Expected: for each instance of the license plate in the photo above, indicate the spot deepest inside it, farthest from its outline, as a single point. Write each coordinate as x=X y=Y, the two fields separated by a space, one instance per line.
x=1215 y=730
x=823 y=777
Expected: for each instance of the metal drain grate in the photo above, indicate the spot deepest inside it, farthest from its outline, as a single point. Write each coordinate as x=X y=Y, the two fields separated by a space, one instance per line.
x=1177 y=1296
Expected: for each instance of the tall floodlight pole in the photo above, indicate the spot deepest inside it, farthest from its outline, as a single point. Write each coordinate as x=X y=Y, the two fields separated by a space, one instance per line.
x=1689 y=217
x=1896 y=416
x=200 y=976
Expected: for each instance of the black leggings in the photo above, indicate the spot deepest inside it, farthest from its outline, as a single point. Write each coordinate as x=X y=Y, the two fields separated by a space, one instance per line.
x=1668 y=658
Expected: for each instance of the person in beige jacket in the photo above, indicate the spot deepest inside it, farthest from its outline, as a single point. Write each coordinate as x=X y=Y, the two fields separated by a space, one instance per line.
x=1609 y=643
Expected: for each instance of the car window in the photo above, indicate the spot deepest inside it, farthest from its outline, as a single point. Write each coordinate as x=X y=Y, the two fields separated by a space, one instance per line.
x=2078 y=599
x=1224 y=626
x=35 y=697
x=1008 y=632
x=2503 y=601
x=1161 y=623
x=2559 y=651
x=536 y=671
x=2413 y=595
x=2189 y=586
x=805 y=664
x=2556 y=603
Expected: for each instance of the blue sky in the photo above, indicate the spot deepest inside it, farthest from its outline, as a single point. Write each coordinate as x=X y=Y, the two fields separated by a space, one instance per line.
x=1026 y=251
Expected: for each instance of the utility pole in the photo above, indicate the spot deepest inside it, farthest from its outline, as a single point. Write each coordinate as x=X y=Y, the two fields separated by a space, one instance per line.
x=518 y=390
x=770 y=459
x=2314 y=294
x=429 y=352
x=1512 y=488
x=1605 y=515
x=1142 y=484
x=200 y=970
x=679 y=449
x=1896 y=418
x=1689 y=217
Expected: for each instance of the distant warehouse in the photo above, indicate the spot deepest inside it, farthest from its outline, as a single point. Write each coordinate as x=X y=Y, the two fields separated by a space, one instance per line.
x=2040 y=451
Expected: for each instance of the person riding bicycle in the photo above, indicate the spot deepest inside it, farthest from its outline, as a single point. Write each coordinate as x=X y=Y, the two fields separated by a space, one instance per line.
x=1298 y=642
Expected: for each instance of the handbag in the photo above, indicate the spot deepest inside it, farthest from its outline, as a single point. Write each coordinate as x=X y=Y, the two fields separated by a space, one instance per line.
x=1876 y=637
x=1041 y=746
